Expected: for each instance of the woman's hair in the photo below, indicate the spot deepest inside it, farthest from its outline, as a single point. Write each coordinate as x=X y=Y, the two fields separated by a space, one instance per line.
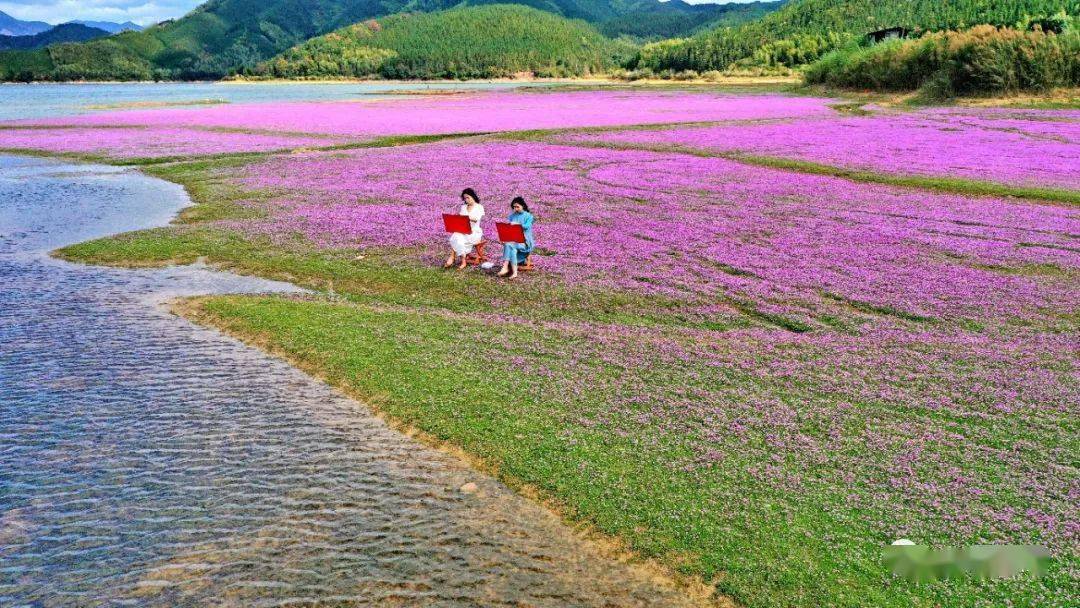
x=519 y=201
x=470 y=192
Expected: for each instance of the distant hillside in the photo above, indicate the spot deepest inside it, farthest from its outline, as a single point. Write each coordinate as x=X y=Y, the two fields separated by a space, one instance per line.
x=676 y=18
x=646 y=19
x=472 y=42
x=223 y=36
x=804 y=30
x=207 y=43
x=112 y=28
x=10 y=26
x=68 y=32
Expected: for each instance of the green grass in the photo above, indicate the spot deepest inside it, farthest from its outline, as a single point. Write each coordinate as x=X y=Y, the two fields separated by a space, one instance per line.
x=877 y=308
x=447 y=380
x=516 y=398
x=72 y=156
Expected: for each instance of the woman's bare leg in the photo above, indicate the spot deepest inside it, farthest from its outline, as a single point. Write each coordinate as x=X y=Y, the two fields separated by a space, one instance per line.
x=505 y=268
x=450 y=260
x=513 y=268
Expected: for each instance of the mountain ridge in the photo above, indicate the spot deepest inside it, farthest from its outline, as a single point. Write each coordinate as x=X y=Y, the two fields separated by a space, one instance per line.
x=221 y=37
x=65 y=32
x=110 y=26
x=10 y=26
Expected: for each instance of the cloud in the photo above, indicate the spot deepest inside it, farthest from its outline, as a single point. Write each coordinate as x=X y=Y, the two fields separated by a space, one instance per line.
x=142 y=12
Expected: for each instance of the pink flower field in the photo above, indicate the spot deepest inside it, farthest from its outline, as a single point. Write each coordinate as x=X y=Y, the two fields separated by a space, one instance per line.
x=1034 y=148
x=470 y=113
x=806 y=367
x=124 y=143
x=697 y=228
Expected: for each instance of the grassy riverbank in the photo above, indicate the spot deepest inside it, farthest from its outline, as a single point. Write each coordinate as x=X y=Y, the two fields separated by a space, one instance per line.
x=757 y=371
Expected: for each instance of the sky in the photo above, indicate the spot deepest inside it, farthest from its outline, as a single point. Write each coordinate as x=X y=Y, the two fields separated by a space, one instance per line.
x=143 y=12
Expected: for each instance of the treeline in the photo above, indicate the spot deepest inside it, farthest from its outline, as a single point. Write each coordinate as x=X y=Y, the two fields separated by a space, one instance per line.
x=983 y=60
x=483 y=39
x=104 y=60
x=223 y=37
x=474 y=42
x=804 y=31
x=668 y=21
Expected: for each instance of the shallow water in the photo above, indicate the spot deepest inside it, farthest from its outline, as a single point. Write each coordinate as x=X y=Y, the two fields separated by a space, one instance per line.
x=50 y=100
x=148 y=461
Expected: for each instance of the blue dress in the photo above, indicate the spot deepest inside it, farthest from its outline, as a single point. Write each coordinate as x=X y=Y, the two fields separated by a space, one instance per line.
x=521 y=250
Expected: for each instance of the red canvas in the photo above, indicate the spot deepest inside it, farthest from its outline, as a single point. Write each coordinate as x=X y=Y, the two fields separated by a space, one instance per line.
x=456 y=223
x=510 y=233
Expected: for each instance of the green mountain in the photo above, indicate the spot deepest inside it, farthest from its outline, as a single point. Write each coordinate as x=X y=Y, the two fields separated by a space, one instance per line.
x=489 y=41
x=68 y=32
x=676 y=18
x=804 y=30
x=223 y=36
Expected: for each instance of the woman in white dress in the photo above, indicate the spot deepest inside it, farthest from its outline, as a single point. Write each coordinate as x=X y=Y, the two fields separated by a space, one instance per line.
x=463 y=244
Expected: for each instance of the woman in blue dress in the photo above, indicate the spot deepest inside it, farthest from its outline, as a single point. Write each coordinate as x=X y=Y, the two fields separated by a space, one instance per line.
x=517 y=253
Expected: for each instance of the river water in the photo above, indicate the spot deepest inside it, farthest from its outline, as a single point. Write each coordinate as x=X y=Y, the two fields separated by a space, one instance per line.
x=145 y=461
x=49 y=100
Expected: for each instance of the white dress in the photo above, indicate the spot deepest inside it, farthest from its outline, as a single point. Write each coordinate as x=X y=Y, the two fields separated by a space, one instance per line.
x=464 y=243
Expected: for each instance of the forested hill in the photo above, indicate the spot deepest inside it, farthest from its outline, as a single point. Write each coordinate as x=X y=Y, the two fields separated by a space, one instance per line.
x=447 y=44
x=676 y=18
x=803 y=30
x=67 y=32
x=205 y=44
x=223 y=36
